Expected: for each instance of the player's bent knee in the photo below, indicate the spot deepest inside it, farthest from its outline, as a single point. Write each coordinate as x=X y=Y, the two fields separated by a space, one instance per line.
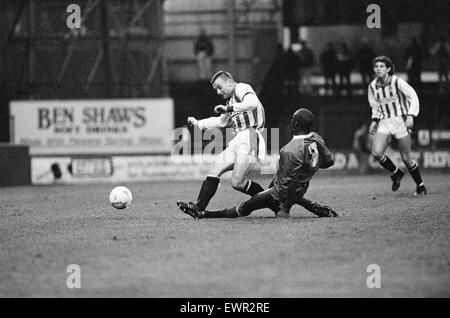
x=213 y=172
x=218 y=170
x=406 y=158
x=377 y=154
x=238 y=181
x=405 y=154
x=238 y=184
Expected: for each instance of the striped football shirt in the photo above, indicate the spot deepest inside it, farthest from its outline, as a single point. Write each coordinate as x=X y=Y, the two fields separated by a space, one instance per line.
x=254 y=118
x=395 y=99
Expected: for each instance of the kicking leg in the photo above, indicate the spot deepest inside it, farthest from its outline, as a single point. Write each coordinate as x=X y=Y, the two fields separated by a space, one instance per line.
x=259 y=201
x=223 y=163
x=248 y=145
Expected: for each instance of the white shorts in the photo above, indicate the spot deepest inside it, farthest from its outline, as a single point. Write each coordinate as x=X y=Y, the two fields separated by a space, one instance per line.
x=248 y=141
x=393 y=126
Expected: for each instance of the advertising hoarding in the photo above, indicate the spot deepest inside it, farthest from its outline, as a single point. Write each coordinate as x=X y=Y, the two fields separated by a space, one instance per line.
x=61 y=127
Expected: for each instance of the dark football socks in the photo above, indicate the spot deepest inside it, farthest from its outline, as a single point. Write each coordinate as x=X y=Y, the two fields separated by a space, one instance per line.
x=307 y=204
x=251 y=188
x=225 y=213
x=258 y=201
x=387 y=164
x=415 y=173
x=207 y=191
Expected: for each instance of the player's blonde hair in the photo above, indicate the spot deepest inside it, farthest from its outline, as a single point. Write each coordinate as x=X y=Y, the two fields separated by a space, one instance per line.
x=223 y=74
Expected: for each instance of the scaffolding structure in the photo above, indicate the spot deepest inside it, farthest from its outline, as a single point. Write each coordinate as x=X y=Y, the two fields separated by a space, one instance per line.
x=117 y=52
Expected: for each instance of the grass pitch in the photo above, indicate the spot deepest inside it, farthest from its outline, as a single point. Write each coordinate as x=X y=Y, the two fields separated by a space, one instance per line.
x=153 y=250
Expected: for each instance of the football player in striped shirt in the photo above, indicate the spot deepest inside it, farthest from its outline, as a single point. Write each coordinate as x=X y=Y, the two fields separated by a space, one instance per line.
x=299 y=160
x=394 y=105
x=244 y=112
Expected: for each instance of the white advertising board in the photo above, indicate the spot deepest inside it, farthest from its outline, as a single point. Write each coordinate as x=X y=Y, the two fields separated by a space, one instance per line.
x=104 y=169
x=115 y=169
x=61 y=127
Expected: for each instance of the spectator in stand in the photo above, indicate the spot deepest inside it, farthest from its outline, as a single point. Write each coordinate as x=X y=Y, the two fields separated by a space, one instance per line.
x=365 y=56
x=276 y=76
x=441 y=51
x=414 y=57
x=328 y=60
x=345 y=65
x=279 y=81
x=306 y=64
x=292 y=66
x=204 y=50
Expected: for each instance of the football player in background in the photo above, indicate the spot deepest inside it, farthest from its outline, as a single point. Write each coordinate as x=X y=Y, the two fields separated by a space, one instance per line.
x=394 y=105
x=245 y=113
x=299 y=160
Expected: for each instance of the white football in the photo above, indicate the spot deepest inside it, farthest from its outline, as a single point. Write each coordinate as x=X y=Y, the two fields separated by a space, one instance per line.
x=120 y=197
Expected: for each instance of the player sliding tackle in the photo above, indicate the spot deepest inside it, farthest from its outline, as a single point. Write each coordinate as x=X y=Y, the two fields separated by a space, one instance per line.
x=245 y=113
x=299 y=160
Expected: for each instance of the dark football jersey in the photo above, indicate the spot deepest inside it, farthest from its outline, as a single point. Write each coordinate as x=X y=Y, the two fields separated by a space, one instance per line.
x=299 y=161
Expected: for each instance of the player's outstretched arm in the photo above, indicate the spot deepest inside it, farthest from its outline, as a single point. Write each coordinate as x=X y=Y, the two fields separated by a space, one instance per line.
x=192 y=121
x=327 y=162
x=210 y=123
x=326 y=158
